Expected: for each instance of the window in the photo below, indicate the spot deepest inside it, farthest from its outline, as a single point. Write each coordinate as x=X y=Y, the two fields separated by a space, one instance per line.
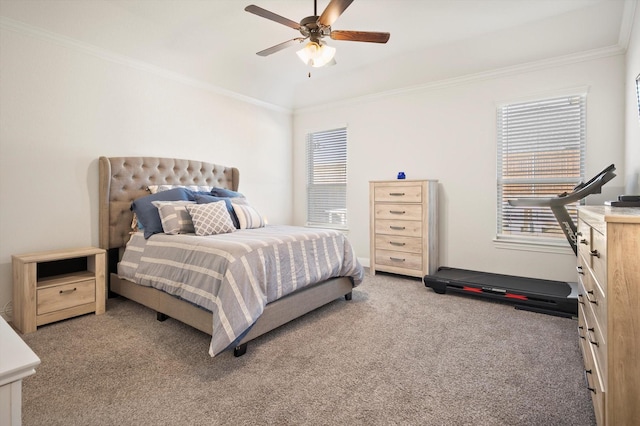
x=541 y=148
x=327 y=178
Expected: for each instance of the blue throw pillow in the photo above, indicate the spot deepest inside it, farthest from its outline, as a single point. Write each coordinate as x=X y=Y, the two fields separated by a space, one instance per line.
x=147 y=213
x=206 y=199
x=223 y=192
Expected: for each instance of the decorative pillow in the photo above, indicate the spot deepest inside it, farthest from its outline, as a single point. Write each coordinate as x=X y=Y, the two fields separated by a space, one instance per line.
x=248 y=217
x=154 y=189
x=206 y=198
x=224 y=192
x=147 y=213
x=210 y=218
x=174 y=217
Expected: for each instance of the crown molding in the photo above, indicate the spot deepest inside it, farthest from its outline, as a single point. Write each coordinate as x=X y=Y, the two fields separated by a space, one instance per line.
x=89 y=49
x=589 y=55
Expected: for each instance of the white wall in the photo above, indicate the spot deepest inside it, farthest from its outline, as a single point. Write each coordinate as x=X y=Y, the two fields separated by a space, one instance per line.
x=62 y=105
x=632 y=128
x=447 y=132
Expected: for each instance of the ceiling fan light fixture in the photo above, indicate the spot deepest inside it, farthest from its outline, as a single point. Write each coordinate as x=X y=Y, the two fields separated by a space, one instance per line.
x=317 y=54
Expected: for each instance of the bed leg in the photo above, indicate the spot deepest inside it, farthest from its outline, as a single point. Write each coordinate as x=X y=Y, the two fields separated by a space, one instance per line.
x=161 y=317
x=240 y=350
x=348 y=296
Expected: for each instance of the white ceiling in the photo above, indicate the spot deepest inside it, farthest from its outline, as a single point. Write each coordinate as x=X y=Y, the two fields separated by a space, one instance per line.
x=214 y=41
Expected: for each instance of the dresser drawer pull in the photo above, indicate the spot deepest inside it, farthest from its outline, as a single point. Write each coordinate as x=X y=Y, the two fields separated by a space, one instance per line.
x=398 y=228
x=397 y=211
x=594 y=301
x=396 y=194
x=594 y=253
x=586 y=379
x=593 y=342
x=584 y=241
x=393 y=243
x=580 y=328
x=580 y=299
x=579 y=234
x=396 y=259
x=68 y=291
x=579 y=269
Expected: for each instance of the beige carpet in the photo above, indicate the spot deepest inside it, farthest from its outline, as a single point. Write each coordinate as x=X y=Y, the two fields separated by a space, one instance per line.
x=398 y=353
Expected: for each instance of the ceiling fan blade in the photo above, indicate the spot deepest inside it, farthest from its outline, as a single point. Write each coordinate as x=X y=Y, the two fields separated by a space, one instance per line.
x=281 y=46
x=272 y=16
x=333 y=11
x=368 y=36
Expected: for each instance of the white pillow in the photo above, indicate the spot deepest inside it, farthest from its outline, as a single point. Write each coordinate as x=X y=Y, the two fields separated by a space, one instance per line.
x=211 y=218
x=159 y=188
x=174 y=217
x=248 y=217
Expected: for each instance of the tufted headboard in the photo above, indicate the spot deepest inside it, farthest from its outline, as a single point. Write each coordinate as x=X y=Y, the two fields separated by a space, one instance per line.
x=123 y=179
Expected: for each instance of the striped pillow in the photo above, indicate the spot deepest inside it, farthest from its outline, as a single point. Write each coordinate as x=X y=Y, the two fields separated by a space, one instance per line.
x=248 y=217
x=174 y=217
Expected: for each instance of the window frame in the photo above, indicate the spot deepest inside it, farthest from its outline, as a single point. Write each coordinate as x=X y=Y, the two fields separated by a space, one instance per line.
x=535 y=241
x=319 y=201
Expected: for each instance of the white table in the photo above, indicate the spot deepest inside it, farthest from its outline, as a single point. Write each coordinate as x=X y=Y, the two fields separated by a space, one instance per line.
x=17 y=361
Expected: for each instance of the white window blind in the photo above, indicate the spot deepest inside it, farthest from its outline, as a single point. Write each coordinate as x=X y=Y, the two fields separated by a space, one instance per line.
x=327 y=178
x=541 y=147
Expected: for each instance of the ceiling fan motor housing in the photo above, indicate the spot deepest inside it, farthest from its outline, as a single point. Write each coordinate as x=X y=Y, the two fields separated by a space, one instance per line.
x=309 y=27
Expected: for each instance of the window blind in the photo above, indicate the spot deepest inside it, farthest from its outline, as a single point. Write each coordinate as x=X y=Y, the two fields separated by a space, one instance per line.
x=327 y=178
x=541 y=147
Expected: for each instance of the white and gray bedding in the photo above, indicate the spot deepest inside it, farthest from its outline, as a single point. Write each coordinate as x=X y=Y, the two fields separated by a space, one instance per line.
x=234 y=275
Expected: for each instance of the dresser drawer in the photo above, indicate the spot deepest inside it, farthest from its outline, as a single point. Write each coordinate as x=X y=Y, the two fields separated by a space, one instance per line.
x=599 y=257
x=399 y=243
x=594 y=335
x=398 y=211
x=55 y=298
x=407 y=228
x=404 y=193
x=594 y=381
x=399 y=259
x=591 y=294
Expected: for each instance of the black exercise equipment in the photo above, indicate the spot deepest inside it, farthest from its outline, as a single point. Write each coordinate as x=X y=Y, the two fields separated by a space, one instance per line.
x=557 y=204
x=545 y=296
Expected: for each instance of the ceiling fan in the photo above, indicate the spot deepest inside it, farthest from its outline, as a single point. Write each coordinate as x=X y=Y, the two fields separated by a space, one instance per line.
x=317 y=53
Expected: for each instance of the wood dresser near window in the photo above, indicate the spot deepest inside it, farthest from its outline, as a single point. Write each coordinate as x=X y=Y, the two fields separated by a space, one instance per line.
x=403 y=223
x=609 y=310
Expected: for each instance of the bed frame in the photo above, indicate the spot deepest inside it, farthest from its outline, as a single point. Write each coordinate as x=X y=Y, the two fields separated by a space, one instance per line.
x=122 y=180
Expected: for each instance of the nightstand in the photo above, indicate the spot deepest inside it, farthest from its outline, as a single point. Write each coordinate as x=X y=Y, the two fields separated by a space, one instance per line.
x=55 y=285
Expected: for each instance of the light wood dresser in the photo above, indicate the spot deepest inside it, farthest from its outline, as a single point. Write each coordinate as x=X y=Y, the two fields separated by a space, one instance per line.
x=59 y=284
x=609 y=310
x=404 y=227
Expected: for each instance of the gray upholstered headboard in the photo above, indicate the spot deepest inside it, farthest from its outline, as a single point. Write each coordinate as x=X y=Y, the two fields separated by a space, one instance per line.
x=123 y=179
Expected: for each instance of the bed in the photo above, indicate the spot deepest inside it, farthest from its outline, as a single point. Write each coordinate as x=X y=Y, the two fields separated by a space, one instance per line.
x=126 y=179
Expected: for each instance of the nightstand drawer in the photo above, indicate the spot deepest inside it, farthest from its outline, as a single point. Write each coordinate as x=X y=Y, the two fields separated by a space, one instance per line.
x=405 y=193
x=399 y=243
x=65 y=296
x=407 y=228
x=399 y=259
x=398 y=211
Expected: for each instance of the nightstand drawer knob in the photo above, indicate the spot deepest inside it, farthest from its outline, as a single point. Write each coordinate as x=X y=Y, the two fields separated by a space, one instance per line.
x=71 y=290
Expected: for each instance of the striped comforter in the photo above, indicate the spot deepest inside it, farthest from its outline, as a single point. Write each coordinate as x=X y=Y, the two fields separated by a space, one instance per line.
x=235 y=275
